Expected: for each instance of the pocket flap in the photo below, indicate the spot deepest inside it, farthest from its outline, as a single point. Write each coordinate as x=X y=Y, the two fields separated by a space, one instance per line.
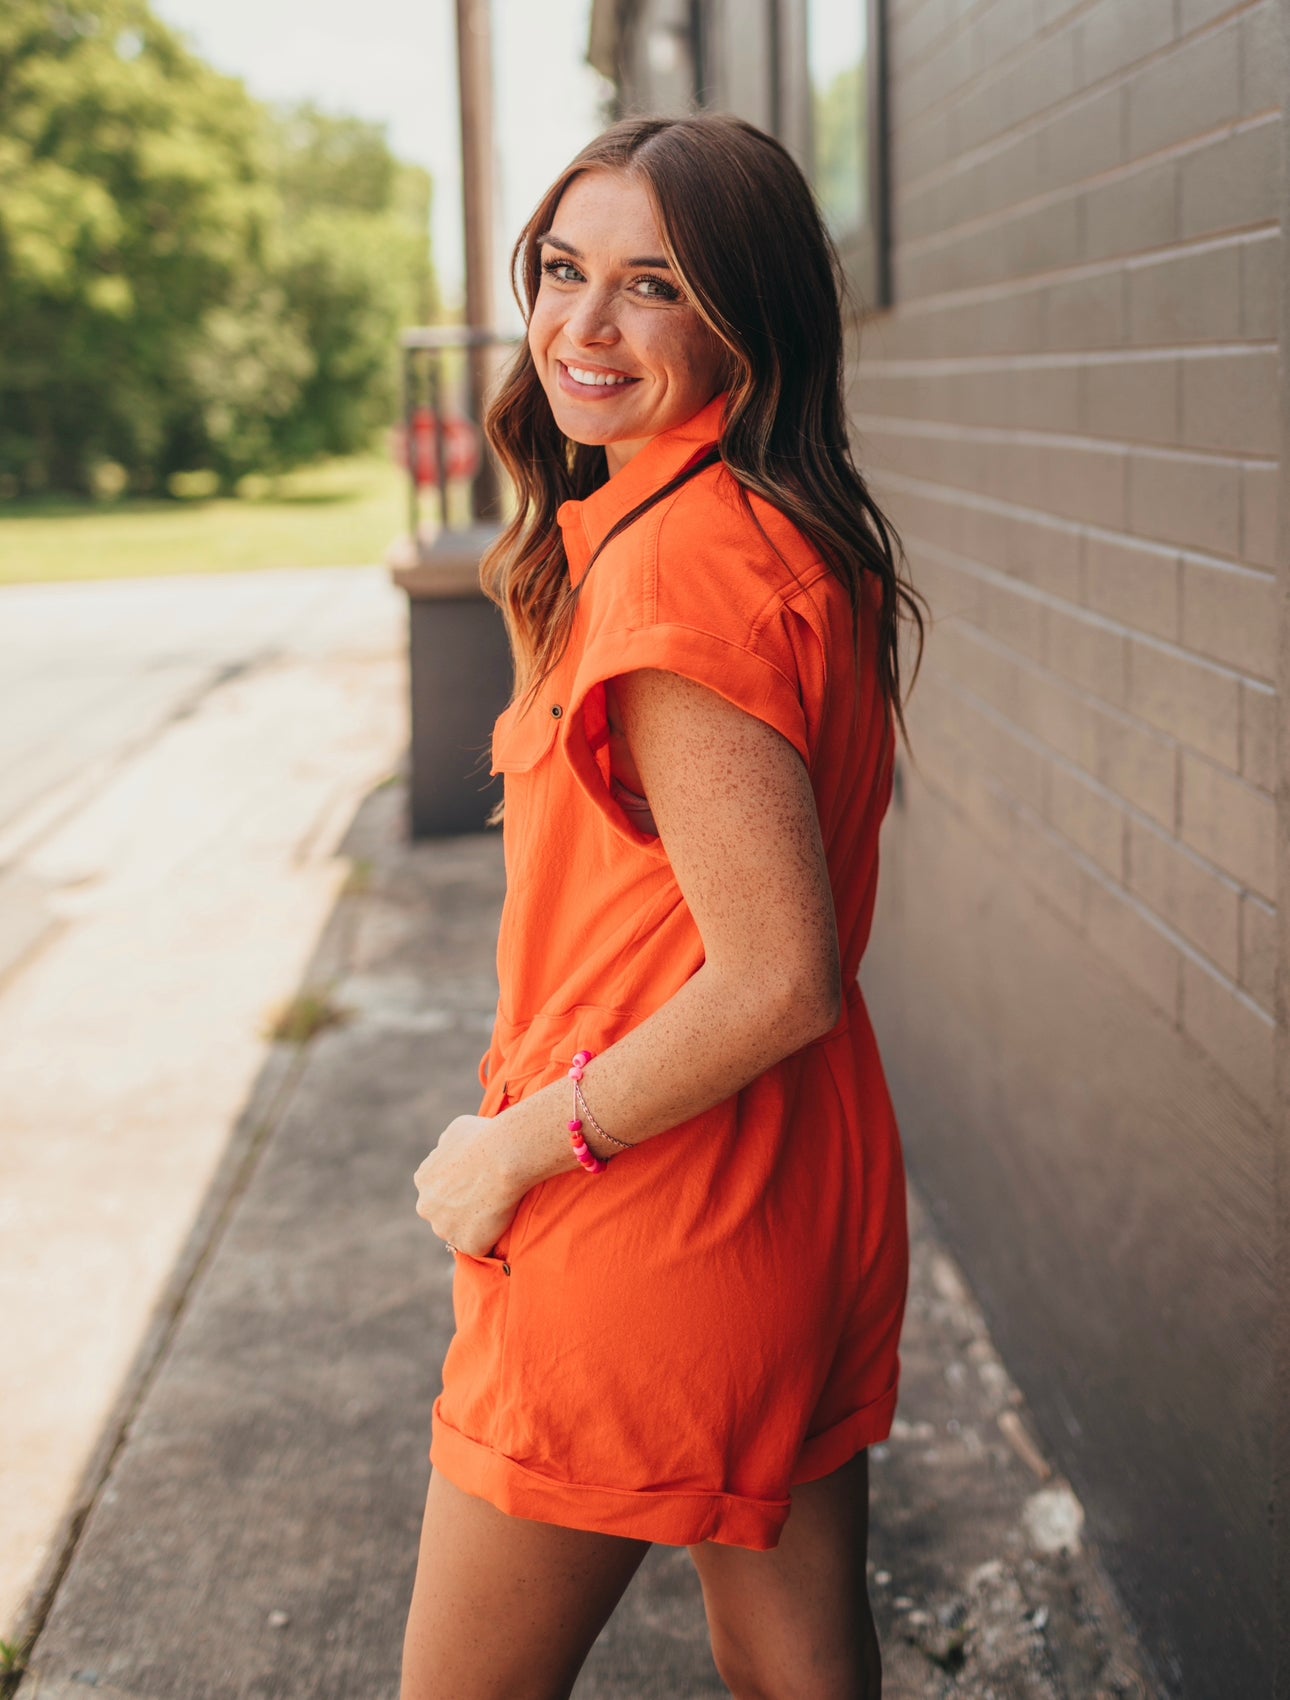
x=520 y=740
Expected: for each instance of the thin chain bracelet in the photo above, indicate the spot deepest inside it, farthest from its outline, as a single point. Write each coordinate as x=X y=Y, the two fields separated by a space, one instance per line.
x=582 y=1151
x=583 y=1105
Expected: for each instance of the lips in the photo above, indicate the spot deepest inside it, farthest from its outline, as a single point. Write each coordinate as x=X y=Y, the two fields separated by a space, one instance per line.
x=593 y=380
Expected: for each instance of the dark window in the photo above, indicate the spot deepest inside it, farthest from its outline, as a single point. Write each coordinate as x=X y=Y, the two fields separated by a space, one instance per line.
x=847 y=116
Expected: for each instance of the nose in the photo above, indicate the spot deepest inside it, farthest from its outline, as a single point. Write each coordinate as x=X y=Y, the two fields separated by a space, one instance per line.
x=591 y=322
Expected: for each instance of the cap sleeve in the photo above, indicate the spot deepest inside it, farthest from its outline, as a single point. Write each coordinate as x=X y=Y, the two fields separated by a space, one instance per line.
x=756 y=670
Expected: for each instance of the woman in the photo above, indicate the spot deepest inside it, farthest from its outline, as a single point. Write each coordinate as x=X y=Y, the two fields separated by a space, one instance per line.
x=680 y=1277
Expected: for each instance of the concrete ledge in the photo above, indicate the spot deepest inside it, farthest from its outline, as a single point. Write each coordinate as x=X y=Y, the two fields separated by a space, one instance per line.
x=443 y=566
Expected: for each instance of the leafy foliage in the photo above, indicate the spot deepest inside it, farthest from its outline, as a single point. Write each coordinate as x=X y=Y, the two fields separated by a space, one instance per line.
x=187 y=279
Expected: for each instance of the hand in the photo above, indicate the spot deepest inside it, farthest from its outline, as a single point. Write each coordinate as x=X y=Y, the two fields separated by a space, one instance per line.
x=463 y=1191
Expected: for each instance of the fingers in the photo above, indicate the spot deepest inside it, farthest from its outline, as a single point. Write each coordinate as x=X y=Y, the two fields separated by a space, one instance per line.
x=426 y=1207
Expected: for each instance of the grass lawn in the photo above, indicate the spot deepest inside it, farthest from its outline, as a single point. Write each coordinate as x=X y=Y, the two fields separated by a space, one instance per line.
x=338 y=513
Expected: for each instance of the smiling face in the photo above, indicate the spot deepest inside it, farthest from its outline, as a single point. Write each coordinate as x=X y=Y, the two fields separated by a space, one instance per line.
x=619 y=351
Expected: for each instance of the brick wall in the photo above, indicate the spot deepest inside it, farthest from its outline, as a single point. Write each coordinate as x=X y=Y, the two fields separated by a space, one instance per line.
x=1071 y=415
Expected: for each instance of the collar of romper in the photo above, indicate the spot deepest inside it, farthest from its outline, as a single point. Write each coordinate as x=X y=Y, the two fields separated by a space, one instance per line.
x=584 y=523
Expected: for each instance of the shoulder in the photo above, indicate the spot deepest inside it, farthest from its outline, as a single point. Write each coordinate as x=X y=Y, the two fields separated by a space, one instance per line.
x=727 y=559
x=718 y=562
x=708 y=587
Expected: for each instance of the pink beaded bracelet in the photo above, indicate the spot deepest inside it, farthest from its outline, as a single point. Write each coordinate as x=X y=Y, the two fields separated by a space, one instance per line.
x=582 y=1151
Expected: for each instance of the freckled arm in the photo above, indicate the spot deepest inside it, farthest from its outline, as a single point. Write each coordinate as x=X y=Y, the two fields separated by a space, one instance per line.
x=737 y=817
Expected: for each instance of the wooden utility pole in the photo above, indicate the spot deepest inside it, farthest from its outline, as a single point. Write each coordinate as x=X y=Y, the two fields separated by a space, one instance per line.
x=475 y=85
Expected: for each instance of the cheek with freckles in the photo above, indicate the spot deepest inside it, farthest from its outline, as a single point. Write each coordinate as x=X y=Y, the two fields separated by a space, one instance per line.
x=541 y=330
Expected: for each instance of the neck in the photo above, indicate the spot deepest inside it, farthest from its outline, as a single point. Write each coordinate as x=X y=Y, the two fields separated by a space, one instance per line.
x=617 y=455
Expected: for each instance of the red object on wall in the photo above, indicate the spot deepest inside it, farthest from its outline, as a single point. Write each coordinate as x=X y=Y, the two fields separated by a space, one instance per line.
x=461 y=442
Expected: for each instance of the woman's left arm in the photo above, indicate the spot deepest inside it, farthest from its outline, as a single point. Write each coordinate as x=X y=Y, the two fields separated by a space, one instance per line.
x=736 y=815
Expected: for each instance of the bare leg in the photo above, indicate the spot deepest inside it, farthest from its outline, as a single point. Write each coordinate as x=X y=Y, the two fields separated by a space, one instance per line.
x=794 y=1623
x=505 y=1607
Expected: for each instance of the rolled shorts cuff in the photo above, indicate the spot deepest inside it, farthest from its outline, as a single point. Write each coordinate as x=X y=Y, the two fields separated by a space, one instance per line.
x=823 y=1453
x=678 y=1519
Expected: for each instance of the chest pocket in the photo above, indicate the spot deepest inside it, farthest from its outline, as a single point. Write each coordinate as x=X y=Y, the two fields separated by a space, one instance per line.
x=521 y=740
x=522 y=751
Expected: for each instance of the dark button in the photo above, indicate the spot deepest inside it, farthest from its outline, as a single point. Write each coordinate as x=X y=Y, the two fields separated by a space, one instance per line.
x=506 y=1269
x=556 y=710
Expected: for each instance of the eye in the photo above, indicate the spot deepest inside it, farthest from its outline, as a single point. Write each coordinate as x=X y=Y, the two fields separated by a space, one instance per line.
x=662 y=290
x=553 y=269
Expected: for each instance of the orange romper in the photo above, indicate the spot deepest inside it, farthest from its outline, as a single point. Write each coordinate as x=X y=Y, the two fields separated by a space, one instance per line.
x=663 y=1350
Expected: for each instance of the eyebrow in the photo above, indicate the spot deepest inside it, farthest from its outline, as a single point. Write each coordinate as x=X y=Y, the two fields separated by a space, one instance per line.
x=549 y=238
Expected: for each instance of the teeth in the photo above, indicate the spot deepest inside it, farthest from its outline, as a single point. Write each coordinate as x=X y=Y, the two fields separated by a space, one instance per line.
x=584 y=377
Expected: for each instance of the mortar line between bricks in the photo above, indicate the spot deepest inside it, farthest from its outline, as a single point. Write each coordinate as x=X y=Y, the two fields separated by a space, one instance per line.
x=1087 y=91
x=1083 y=441
x=207 y=1235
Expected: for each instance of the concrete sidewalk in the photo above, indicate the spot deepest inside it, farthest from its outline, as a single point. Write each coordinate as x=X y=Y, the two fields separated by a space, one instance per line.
x=178 y=762
x=251 y=1531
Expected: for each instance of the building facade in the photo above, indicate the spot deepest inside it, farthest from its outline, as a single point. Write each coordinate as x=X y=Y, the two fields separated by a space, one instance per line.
x=1063 y=234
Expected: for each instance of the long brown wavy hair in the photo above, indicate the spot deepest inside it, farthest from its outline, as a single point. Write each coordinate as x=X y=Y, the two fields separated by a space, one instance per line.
x=744 y=236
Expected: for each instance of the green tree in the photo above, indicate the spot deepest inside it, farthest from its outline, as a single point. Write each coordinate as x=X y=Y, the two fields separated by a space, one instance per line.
x=329 y=161
x=355 y=268
x=186 y=279
x=246 y=376
x=134 y=194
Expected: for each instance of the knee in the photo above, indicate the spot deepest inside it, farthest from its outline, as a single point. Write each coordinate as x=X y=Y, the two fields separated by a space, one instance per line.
x=737 y=1670
x=752 y=1675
